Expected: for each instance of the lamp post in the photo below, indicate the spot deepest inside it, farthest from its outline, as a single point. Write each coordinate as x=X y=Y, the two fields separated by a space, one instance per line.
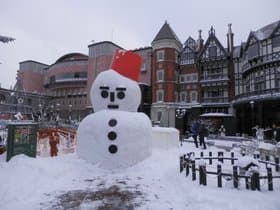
x=57 y=111
x=52 y=106
x=180 y=113
x=252 y=104
x=70 y=112
x=40 y=111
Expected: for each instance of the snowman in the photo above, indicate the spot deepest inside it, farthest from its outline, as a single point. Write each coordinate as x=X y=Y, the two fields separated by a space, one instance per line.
x=116 y=136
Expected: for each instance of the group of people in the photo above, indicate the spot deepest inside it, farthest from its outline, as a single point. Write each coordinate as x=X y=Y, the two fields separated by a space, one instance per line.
x=199 y=129
x=270 y=133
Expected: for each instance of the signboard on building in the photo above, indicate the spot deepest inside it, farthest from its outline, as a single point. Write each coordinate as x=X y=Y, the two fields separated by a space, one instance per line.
x=22 y=139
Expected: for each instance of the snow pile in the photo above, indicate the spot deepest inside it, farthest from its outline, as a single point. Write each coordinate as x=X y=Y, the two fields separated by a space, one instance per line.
x=155 y=183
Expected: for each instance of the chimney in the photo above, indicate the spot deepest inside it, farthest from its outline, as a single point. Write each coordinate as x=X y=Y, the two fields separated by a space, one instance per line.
x=230 y=40
x=199 y=41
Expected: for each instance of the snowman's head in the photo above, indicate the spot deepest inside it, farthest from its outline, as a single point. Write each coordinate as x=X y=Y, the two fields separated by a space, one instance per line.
x=113 y=91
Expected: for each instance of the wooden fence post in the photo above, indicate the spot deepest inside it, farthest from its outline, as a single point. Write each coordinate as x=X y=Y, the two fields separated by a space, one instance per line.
x=235 y=177
x=210 y=158
x=221 y=156
x=187 y=167
x=232 y=158
x=181 y=163
x=193 y=170
x=247 y=182
x=266 y=159
x=219 y=172
x=202 y=175
x=201 y=154
x=269 y=179
x=255 y=181
x=277 y=164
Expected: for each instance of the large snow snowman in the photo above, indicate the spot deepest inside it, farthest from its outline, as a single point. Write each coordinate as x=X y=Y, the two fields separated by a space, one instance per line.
x=115 y=136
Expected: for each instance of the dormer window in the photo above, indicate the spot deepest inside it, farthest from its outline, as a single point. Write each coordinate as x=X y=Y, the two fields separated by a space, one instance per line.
x=276 y=41
x=212 y=51
x=253 y=51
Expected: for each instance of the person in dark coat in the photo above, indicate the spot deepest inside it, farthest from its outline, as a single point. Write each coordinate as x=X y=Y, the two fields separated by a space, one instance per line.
x=194 y=130
x=203 y=132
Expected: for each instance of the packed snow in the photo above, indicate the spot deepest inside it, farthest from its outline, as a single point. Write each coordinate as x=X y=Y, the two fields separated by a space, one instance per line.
x=66 y=181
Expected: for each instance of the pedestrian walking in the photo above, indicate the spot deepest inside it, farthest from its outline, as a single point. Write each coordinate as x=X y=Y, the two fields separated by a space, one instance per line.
x=203 y=132
x=194 y=130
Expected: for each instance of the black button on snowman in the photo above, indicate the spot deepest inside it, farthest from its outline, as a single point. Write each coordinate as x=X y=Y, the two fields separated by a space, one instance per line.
x=116 y=135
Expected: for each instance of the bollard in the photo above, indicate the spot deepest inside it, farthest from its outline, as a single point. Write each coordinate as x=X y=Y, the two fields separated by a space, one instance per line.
x=235 y=177
x=210 y=158
x=269 y=179
x=277 y=164
x=193 y=170
x=232 y=158
x=219 y=172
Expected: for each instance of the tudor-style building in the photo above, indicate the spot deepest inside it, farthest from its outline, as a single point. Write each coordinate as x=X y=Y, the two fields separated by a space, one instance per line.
x=258 y=101
x=216 y=76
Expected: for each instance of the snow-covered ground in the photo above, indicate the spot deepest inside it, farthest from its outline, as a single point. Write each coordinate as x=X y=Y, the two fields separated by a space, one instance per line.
x=67 y=182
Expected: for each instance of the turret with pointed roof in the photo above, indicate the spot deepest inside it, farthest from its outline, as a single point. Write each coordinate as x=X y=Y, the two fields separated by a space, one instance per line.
x=165 y=38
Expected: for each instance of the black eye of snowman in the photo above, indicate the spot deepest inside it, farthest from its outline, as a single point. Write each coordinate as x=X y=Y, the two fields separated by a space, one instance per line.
x=104 y=94
x=121 y=93
x=104 y=91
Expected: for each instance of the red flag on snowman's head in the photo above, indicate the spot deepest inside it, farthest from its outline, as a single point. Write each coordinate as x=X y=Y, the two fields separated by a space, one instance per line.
x=127 y=64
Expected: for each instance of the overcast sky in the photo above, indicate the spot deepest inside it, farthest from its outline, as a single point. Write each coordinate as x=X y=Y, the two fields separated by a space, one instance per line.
x=46 y=30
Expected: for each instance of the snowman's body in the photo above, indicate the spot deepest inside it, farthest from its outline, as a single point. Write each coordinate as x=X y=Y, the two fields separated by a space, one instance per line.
x=115 y=136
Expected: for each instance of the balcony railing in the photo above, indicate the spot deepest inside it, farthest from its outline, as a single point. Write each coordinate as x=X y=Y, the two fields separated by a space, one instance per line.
x=214 y=77
x=263 y=93
x=260 y=61
x=215 y=100
x=47 y=82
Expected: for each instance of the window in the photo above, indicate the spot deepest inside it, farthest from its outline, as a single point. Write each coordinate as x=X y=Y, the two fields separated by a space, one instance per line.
x=276 y=42
x=143 y=67
x=212 y=51
x=187 y=57
x=160 y=95
x=160 y=75
x=160 y=55
x=194 y=77
x=176 y=57
x=193 y=96
x=183 y=96
x=159 y=115
x=253 y=51
x=182 y=78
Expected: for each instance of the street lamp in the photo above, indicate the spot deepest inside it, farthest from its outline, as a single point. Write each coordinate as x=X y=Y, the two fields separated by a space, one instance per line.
x=180 y=112
x=252 y=104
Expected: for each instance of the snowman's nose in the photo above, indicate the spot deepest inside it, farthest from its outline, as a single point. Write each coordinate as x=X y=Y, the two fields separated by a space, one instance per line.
x=112 y=96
